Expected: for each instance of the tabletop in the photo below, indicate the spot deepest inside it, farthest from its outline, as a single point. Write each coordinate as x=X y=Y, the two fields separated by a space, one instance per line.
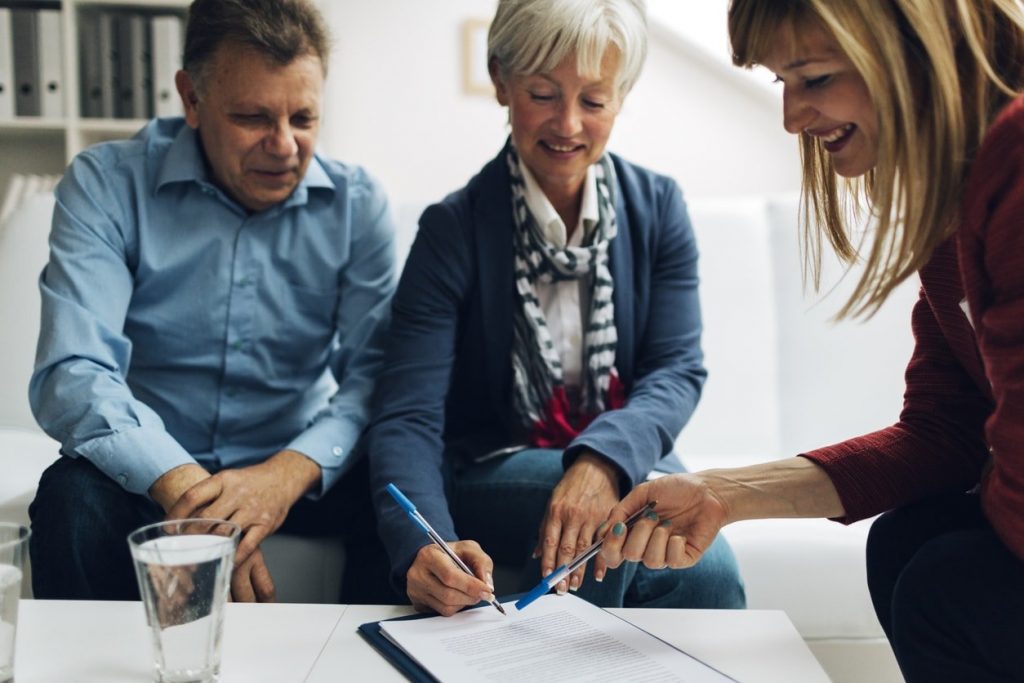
x=109 y=642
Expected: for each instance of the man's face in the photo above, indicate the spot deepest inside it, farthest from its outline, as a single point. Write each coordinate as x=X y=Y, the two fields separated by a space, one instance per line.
x=258 y=121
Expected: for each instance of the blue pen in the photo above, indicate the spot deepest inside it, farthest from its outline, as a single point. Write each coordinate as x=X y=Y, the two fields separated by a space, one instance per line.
x=552 y=579
x=418 y=518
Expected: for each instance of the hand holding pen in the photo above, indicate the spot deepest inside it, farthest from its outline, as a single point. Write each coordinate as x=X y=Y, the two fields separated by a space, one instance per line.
x=440 y=543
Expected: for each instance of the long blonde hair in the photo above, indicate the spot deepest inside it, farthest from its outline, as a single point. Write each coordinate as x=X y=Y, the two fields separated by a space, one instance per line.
x=938 y=71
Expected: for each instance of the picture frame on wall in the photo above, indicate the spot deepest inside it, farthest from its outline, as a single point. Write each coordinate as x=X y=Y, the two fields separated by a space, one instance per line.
x=475 y=79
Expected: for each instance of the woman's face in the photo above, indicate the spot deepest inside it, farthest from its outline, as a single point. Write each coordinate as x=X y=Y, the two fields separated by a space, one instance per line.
x=561 y=121
x=825 y=97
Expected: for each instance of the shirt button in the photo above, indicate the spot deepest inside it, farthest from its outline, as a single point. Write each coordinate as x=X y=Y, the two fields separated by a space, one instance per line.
x=238 y=345
x=337 y=450
x=244 y=281
x=122 y=479
x=231 y=393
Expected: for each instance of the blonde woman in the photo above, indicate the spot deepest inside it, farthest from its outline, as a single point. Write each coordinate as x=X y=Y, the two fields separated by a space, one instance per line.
x=909 y=109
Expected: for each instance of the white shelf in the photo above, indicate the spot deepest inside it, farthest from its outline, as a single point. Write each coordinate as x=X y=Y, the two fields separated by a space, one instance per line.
x=111 y=126
x=140 y=4
x=33 y=123
x=37 y=145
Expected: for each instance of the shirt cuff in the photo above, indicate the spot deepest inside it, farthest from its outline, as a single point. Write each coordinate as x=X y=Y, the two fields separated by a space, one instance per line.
x=136 y=457
x=331 y=443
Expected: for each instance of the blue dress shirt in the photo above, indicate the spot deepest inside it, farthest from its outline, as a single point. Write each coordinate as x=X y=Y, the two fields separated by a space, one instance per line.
x=179 y=327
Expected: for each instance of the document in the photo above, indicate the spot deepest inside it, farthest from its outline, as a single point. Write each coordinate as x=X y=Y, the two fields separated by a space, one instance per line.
x=557 y=638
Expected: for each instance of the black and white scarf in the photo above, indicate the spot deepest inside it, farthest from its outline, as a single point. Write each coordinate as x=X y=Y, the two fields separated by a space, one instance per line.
x=539 y=392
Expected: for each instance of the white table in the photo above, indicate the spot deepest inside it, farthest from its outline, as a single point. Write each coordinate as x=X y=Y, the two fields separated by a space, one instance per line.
x=108 y=642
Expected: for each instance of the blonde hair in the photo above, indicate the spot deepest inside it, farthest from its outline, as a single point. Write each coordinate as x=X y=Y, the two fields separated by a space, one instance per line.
x=528 y=37
x=938 y=71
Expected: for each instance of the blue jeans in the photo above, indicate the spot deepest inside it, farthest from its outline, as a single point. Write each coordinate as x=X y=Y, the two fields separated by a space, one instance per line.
x=500 y=504
x=81 y=520
x=949 y=594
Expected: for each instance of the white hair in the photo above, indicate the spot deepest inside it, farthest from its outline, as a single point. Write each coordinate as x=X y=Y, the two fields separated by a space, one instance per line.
x=528 y=37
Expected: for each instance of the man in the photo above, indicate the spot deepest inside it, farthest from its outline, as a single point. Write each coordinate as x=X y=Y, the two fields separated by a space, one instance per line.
x=211 y=318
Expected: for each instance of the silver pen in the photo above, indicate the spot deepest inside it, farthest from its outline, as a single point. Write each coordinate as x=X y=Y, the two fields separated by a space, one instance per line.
x=407 y=505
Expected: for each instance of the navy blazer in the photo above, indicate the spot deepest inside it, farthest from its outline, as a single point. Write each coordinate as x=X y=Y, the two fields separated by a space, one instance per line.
x=445 y=389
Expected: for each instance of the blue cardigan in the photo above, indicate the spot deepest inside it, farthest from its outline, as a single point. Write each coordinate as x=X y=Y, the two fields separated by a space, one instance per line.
x=445 y=390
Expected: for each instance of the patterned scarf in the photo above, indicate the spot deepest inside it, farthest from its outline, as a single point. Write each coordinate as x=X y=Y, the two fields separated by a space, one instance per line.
x=539 y=394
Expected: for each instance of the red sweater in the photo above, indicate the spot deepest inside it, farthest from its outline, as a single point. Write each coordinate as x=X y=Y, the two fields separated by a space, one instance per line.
x=965 y=381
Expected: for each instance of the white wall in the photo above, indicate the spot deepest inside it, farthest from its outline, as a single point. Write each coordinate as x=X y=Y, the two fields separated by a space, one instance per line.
x=395 y=104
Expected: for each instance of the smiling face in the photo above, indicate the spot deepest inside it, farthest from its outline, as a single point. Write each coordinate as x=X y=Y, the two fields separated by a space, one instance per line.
x=825 y=97
x=258 y=122
x=561 y=121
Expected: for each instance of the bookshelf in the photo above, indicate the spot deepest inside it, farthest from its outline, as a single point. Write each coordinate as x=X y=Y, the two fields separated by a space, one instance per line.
x=37 y=144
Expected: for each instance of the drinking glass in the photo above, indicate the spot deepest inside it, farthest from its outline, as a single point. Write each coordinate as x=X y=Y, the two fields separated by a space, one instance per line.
x=184 y=572
x=13 y=550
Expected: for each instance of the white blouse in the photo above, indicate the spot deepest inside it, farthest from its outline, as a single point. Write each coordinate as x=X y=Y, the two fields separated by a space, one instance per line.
x=565 y=304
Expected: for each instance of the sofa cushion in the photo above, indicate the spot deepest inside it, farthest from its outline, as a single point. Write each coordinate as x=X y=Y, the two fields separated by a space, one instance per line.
x=23 y=253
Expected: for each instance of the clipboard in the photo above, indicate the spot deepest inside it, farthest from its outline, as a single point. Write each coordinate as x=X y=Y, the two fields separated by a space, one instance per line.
x=408 y=666
x=414 y=671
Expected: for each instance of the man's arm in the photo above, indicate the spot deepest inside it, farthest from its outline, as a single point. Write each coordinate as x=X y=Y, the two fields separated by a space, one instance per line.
x=78 y=391
x=366 y=286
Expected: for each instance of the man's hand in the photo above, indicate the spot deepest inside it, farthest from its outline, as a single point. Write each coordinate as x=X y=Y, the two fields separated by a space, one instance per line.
x=172 y=484
x=689 y=514
x=251 y=582
x=436 y=583
x=578 y=505
x=257 y=498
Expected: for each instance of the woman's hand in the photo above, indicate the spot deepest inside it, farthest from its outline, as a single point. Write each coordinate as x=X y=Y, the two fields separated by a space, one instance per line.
x=434 y=582
x=689 y=516
x=692 y=508
x=578 y=506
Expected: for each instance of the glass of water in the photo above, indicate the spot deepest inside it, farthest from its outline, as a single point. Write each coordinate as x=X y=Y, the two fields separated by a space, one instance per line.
x=184 y=571
x=13 y=550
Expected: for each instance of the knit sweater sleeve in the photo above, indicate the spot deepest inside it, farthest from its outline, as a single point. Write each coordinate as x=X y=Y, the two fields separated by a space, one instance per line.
x=993 y=263
x=936 y=445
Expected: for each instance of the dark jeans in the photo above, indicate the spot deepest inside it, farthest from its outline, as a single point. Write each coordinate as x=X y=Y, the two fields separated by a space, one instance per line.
x=81 y=520
x=948 y=593
x=500 y=504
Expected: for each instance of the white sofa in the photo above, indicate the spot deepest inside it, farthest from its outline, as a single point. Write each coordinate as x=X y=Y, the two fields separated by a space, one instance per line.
x=781 y=379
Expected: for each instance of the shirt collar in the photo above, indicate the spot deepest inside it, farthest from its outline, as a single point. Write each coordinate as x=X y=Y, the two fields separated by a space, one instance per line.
x=184 y=163
x=547 y=218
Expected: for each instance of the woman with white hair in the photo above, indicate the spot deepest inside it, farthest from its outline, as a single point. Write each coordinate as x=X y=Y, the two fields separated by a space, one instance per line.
x=545 y=344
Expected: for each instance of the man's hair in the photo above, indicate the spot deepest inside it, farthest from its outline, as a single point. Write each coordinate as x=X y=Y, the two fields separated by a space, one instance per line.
x=937 y=71
x=528 y=37
x=281 y=30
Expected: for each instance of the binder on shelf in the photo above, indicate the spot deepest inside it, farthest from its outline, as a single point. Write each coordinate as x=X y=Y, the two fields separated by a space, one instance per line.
x=166 y=46
x=51 y=64
x=133 y=67
x=6 y=66
x=122 y=66
x=90 y=57
x=24 y=29
x=106 y=37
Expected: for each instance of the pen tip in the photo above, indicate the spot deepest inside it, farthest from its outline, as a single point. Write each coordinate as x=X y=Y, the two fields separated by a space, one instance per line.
x=500 y=608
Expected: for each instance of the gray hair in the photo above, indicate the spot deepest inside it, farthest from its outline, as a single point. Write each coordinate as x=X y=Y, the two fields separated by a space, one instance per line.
x=534 y=36
x=280 y=29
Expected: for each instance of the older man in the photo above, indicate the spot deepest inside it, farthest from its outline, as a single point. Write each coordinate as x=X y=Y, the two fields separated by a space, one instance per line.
x=211 y=317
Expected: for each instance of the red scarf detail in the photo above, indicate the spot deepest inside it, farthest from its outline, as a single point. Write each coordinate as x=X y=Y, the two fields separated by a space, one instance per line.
x=557 y=429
